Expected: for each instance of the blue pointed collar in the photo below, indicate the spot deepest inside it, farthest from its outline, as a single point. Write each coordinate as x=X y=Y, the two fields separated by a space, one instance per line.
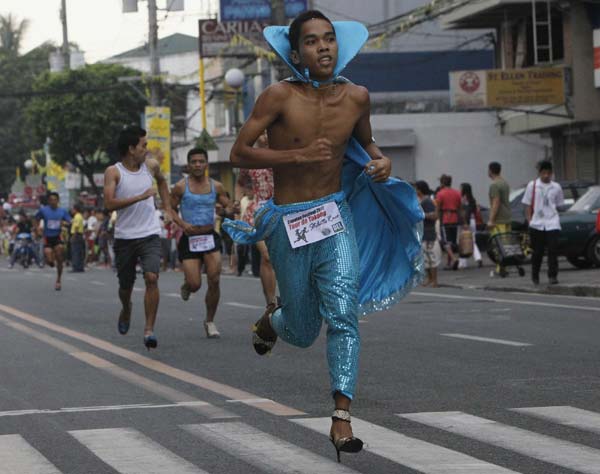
x=351 y=36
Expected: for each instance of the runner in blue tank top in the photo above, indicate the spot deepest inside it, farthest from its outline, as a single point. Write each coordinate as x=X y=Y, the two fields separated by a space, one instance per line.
x=54 y=250
x=196 y=197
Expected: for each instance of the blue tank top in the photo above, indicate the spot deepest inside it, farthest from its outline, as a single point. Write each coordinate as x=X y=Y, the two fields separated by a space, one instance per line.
x=198 y=209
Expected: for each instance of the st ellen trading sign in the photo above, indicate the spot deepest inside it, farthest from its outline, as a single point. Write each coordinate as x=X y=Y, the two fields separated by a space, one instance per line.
x=506 y=88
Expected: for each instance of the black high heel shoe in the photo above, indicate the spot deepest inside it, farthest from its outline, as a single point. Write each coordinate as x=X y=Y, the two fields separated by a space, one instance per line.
x=150 y=341
x=264 y=345
x=349 y=444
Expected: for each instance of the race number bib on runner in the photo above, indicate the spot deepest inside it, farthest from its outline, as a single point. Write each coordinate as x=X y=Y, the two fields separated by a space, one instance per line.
x=53 y=224
x=201 y=243
x=315 y=224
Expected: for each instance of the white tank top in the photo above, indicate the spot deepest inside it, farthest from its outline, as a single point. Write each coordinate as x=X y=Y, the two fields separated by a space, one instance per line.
x=140 y=219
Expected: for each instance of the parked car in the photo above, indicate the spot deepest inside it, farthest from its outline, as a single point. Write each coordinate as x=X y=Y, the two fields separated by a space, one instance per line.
x=579 y=241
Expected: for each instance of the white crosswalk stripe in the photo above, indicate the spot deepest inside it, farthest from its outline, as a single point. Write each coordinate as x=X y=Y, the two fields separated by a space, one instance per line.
x=410 y=452
x=268 y=453
x=18 y=456
x=568 y=416
x=544 y=448
x=130 y=452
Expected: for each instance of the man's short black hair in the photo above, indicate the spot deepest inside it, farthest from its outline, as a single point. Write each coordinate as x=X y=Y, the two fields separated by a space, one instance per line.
x=197 y=151
x=54 y=193
x=446 y=180
x=129 y=136
x=296 y=26
x=495 y=167
x=544 y=165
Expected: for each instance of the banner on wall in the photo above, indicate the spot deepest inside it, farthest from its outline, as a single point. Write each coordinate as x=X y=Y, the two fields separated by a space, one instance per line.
x=232 y=10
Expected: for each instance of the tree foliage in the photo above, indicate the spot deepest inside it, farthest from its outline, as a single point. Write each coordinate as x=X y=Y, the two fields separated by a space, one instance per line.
x=17 y=73
x=82 y=112
x=11 y=35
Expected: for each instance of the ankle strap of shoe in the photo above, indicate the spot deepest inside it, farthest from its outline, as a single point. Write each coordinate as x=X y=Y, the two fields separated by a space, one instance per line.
x=343 y=415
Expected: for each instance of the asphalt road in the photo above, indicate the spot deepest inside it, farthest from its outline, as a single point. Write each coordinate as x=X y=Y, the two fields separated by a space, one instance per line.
x=451 y=381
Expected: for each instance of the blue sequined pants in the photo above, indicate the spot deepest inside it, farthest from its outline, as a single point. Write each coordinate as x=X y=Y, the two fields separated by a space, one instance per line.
x=320 y=282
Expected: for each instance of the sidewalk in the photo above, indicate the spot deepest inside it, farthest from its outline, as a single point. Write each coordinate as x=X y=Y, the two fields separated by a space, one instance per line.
x=572 y=281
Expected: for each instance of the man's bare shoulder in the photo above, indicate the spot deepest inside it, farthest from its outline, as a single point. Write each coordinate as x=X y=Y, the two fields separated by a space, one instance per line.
x=179 y=187
x=152 y=164
x=277 y=92
x=359 y=93
x=111 y=172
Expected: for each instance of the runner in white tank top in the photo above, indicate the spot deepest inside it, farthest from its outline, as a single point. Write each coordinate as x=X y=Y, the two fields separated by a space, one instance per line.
x=128 y=189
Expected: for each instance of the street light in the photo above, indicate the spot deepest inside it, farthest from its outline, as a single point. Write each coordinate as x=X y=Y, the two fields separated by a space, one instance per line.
x=234 y=78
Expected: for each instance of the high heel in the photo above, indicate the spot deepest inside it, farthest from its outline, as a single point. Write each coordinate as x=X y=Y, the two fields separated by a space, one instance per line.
x=150 y=341
x=264 y=345
x=349 y=444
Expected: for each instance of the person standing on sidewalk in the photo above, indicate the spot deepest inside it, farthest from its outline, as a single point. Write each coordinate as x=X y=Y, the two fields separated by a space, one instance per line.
x=196 y=196
x=499 y=221
x=449 y=203
x=431 y=247
x=470 y=210
x=128 y=189
x=543 y=197
x=77 y=241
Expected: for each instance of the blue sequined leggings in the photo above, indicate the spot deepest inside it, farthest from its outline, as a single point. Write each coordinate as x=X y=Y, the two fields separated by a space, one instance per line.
x=320 y=282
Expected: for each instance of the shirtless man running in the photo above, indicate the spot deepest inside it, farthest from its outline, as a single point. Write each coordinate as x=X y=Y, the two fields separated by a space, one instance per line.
x=197 y=196
x=309 y=124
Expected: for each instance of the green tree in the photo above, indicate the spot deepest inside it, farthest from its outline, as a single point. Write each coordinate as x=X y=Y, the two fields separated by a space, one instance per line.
x=17 y=74
x=11 y=34
x=82 y=112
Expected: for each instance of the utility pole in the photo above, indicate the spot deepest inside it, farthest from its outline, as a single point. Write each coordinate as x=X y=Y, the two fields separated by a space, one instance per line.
x=278 y=18
x=66 y=51
x=154 y=60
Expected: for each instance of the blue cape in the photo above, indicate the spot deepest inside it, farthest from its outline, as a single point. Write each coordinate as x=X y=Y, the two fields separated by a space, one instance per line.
x=387 y=216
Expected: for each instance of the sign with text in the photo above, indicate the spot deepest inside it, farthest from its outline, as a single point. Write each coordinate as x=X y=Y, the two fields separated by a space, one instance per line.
x=158 y=126
x=232 y=10
x=315 y=224
x=219 y=38
x=507 y=88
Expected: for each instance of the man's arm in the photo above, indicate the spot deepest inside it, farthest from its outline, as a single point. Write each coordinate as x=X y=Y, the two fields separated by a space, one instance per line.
x=110 y=184
x=266 y=111
x=163 y=187
x=380 y=167
x=528 y=201
x=494 y=211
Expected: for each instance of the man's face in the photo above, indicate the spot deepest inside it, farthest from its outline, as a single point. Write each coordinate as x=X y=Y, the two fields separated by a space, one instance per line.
x=140 y=150
x=318 y=48
x=53 y=201
x=197 y=165
x=546 y=176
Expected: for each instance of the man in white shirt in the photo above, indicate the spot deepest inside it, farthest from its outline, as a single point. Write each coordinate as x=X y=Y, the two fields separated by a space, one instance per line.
x=542 y=198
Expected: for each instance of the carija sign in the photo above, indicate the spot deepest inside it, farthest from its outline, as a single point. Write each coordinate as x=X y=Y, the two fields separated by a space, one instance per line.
x=216 y=37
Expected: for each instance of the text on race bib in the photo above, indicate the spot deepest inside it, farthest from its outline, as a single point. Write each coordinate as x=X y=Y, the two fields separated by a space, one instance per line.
x=201 y=243
x=53 y=224
x=315 y=224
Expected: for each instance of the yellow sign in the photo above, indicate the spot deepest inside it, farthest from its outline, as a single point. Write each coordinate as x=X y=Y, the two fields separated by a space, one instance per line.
x=158 y=126
x=54 y=175
x=514 y=87
x=507 y=88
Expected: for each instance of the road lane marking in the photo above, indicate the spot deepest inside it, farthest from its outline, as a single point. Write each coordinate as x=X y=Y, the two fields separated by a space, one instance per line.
x=544 y=448
x=244 y=305
x=130 y=452
x=97 y=283
x=173 y=295
x=227 y=391
x=565 y=415
x=410 y=452
x=164 y=391
x=486 y=299
x=18 y=456
x=266 y=452
x=487 y=339
x=136 y=406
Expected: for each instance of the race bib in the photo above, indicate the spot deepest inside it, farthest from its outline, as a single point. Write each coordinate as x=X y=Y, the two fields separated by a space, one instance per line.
x=53 y=224
x=315 y=224
x=201 y=243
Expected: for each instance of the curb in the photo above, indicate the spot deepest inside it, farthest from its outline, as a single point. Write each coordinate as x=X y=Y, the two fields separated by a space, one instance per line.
x=567 y=290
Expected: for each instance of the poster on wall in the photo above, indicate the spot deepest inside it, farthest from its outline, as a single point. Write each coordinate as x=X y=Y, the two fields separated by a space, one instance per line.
x=158 y=127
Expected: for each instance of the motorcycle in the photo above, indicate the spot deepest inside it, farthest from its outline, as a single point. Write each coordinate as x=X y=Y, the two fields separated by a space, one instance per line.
x=24 y=248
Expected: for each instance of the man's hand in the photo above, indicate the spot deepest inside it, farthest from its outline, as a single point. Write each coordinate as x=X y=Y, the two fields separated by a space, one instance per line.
x=188 y=229
x=491 y=224
x=150 y=192
x=379 y=170
x=320 y=149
